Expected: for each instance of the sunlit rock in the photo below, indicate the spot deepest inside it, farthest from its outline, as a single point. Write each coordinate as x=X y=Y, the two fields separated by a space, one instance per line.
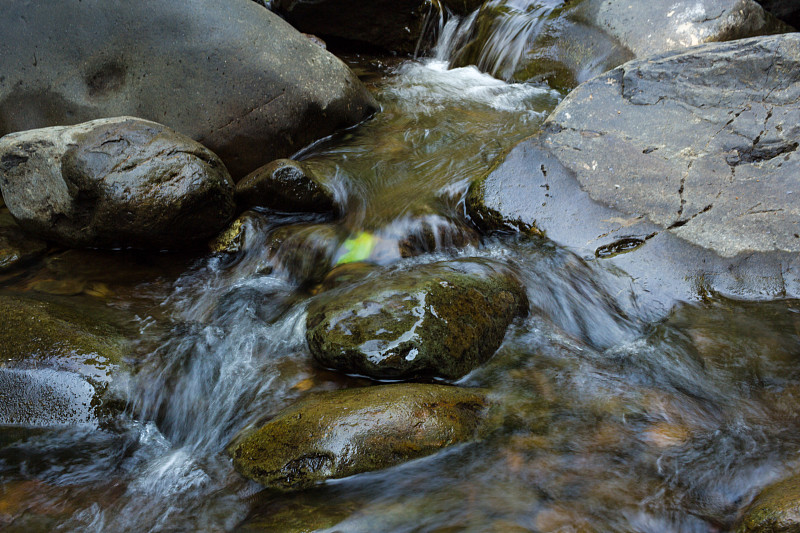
x=338 y=434
x=679 y=169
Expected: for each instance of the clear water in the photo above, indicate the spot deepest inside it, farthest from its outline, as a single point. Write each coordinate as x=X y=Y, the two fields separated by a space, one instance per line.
x=613 y=422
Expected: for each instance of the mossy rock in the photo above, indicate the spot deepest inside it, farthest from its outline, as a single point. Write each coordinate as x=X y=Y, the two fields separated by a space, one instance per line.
x=337 y=434
x=57 y=363
x=775 y=510
x=435 y=320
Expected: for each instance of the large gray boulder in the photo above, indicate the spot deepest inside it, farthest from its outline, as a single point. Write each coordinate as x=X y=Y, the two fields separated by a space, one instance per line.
x=687 y=161
x=576 y=41
x=231 y=75
x=120 y=182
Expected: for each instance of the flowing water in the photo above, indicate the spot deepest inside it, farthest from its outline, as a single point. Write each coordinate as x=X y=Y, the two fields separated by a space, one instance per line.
x=613 y=421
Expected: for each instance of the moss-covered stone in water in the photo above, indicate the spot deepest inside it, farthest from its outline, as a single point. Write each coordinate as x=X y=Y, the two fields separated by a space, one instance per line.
x=56 y=363
x=338 y=434
x=775 y=510
x=440 y=319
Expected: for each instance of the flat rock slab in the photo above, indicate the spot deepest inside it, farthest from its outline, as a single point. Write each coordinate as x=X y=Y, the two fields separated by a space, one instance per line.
x=231 y=75
x=687 y=161
x=436 y=320
x=341 y=433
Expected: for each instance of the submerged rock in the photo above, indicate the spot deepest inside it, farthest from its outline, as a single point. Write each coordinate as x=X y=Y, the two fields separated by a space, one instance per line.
x=573 y=43
x=680 y=169
x=120 y=182
x=57 y=364
x=231 y=75
x=441 y=319
x=338 y=434
x=775 y=510
x=285 y=185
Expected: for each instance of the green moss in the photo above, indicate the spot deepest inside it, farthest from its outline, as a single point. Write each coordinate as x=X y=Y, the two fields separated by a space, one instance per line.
x=775 y=510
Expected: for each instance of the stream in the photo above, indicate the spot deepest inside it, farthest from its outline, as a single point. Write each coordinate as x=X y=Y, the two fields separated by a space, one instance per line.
x=616 y=418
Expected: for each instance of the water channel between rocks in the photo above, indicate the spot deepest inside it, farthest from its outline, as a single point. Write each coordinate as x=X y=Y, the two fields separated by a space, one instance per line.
x=616 y=418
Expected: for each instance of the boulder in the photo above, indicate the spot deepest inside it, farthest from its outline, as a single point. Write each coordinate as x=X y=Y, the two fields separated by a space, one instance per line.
x=576 y=41
x=231 y=75
x=436 y=320
x=57 y=364
x=775 y=510
x=680 y=169
x=337 y=434
x=120 y=182
x=285 y=185
x=393 y=25
x=786 y=10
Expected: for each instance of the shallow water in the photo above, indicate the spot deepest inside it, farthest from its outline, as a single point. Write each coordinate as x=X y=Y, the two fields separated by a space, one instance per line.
x=613 y=420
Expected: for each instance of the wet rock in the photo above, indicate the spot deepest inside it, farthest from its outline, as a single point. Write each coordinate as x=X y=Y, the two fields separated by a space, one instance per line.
x=16 y=247
x=235 y=77
x=338 y=434
x=441 y=319
x=57 y=364
x=393 y=25
x=121 y=182
x=285 y=185
x=579 y=40
x=775 y=510
x=678 y=169
x=304 y=252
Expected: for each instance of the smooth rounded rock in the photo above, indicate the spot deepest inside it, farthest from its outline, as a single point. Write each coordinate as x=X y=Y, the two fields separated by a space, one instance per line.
x=120 y=182
x=231 y=75
x=285 y=185
x=441 y=319
x=337 y=434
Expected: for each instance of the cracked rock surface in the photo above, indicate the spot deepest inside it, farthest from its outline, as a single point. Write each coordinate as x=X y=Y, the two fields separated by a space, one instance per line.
x=689 y=159
x=231 y=75
x=120 y=182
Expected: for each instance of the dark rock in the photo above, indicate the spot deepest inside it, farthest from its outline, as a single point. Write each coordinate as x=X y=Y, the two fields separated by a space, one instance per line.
x=120 y=182
x=680 y=169
x=775 y=510
x=285 y=185
x=16 y=247
x=786 y=10
x=338 y=434
x=441 y=319
x=393 y=25
x=230 y=75
x=57 y=363
x=573 y=43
